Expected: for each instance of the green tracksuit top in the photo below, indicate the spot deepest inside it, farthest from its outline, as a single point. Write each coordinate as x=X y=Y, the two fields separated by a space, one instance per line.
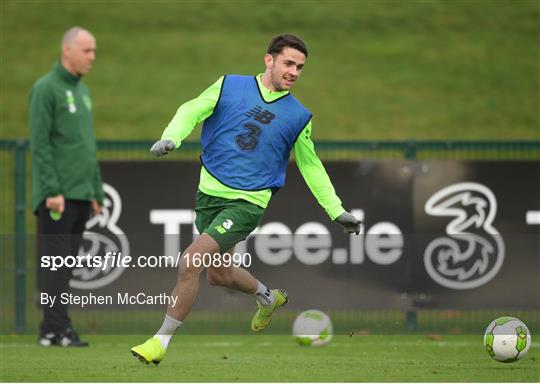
x=197 y=110
x=62 y=139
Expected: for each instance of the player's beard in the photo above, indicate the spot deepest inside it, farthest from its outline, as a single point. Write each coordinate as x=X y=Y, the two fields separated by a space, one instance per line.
x=277 y=80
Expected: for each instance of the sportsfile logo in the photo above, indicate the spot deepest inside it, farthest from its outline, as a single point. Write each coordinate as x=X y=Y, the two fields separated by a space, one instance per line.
x=102 y=236
x=472 y=252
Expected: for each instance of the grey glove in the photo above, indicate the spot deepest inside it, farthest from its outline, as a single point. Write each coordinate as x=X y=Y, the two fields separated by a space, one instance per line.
x=349 y=223
x=162 y=147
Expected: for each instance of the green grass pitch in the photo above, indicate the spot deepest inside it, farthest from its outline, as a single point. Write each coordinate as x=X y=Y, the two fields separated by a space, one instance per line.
x=257 y=358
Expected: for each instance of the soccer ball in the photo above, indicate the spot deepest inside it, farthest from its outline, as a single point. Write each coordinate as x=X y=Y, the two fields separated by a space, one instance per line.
x=312 y=328
x=507 y=339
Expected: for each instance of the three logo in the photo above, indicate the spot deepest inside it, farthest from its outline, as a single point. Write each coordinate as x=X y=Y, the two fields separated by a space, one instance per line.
x=102 y=235
x=227 y=224
x=472 y=252
x=72 y=106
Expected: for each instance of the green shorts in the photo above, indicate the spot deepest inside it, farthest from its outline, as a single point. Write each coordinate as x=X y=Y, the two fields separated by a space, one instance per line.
x=227 y=221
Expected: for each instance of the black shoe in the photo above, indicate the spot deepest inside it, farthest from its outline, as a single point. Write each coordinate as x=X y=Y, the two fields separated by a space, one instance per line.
x=70 y=338
x=48 y=339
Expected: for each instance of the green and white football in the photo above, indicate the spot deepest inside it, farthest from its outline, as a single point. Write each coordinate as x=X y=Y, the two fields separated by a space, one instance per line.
x=312 y=328
x=507 y=339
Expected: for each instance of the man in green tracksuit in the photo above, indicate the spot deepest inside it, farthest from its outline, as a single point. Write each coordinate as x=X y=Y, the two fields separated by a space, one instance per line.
x=66 y=182
x=251 y=123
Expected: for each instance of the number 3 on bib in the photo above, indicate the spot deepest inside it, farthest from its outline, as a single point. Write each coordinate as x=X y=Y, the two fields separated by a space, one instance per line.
x=249 y=141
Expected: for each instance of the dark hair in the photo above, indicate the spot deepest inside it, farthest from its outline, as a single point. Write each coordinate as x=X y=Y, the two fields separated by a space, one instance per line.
x=286 y=40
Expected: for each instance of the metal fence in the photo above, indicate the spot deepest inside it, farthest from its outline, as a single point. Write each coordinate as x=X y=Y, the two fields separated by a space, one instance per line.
x=17 y=222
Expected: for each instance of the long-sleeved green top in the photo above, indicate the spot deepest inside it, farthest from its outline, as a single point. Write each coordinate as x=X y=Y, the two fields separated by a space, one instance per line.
x=62 y=139
x=197 y=110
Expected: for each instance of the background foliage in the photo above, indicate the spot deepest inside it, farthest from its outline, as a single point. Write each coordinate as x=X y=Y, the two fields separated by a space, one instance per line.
x=377 y=69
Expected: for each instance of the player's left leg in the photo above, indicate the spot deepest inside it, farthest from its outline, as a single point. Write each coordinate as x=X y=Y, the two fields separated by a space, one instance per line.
x=232 y=277
x=240 y=279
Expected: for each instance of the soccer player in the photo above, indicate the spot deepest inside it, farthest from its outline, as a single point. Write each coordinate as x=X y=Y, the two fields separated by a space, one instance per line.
x=251 y=124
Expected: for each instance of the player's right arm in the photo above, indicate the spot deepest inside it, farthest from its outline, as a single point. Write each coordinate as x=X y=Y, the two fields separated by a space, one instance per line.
x=186 y=119
x=41 y=115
